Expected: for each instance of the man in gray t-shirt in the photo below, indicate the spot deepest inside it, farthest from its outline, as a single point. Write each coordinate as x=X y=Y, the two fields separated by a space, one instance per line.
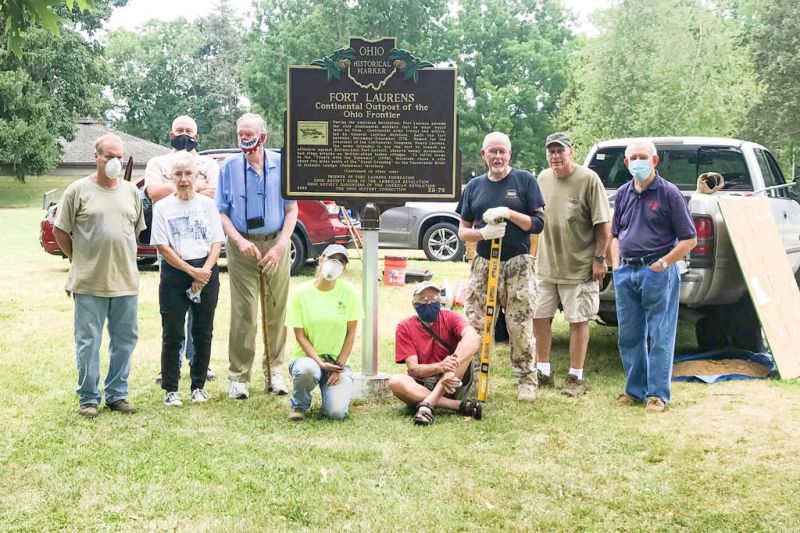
x=96 y=227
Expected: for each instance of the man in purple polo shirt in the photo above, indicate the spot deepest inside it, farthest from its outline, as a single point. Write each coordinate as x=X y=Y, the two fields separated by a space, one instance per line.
x=651 y=230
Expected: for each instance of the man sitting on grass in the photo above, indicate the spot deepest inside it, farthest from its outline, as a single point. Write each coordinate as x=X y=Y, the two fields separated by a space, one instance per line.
x=438 y=347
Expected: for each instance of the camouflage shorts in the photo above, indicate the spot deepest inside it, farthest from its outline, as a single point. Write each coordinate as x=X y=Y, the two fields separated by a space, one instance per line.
x=515 y=293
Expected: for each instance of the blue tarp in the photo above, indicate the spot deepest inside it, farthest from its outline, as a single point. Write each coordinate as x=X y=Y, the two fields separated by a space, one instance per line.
x=726 y=353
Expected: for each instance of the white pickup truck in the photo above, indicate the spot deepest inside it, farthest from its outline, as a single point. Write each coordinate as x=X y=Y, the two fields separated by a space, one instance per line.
x=713 y=294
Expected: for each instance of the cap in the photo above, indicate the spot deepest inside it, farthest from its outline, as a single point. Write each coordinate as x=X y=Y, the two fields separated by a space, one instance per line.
x=559 y=138
x=419 y=287
x=336 y=249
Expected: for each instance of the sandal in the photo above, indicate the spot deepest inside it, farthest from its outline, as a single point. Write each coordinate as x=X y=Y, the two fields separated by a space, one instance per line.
x=473 y=409
x=424 y=416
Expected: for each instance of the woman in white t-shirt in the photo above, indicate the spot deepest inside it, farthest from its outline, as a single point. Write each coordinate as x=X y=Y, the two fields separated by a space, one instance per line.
x=188 y=232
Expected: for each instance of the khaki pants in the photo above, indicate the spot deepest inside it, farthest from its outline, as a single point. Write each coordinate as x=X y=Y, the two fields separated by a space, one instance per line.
x=515 y=293
x=245 y=301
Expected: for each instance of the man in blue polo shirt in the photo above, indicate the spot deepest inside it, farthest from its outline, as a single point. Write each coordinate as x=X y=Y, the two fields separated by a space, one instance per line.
x=651 y=230
x=258 y=224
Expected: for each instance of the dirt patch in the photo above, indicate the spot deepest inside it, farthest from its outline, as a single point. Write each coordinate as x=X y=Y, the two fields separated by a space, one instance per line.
x=718 y=367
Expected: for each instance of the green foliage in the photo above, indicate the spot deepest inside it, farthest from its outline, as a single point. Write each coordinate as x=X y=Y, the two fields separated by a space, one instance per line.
x=508 y=54
x=333 y=63
x=16 y=16
x=296 y=32
x=167 y=69
x=664 y=67
x=57 y=79
x=511 y=60
x=775 y=49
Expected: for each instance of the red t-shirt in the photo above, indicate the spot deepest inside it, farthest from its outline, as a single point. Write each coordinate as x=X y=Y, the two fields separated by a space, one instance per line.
x=412 y=339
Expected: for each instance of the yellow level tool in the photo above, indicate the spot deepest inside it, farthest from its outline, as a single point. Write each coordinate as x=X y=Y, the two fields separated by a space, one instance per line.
x=489 y=318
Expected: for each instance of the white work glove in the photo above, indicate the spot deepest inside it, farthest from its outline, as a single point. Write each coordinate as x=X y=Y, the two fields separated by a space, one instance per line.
x=493 y=214
x=493 y=231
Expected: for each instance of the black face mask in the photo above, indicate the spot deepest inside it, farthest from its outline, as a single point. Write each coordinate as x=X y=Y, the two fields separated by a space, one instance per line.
x=428 y=312
x=184 y=142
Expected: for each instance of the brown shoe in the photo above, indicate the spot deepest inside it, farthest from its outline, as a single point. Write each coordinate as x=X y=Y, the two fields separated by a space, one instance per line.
x=122 y=406
x=89 y=410
x=296 y=415
x=624 y=399
x=573 y=386
x=545 y=381
x=526 y=393
x=655 y=405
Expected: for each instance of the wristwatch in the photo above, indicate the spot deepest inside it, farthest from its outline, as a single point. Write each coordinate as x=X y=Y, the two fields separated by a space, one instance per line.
x=600 y=258
x=663 y=264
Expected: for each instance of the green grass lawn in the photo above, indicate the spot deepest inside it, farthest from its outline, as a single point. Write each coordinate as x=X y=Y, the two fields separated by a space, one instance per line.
x=723 y=458
x=29 y=194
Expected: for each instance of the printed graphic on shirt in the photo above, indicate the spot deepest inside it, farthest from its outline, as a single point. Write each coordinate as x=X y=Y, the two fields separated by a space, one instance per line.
x=188 y=229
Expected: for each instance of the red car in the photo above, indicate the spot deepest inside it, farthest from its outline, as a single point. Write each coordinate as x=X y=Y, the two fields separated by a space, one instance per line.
x=318 y=225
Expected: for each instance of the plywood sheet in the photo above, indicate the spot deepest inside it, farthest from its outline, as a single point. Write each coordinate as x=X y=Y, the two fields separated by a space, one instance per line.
x=768 y=275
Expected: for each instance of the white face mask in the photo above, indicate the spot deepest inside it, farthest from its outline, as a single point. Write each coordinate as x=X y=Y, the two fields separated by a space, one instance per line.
x=332 y=269
x=113 y=168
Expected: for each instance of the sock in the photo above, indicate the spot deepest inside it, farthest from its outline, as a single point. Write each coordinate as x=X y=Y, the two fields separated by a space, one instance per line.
x=577 y=372
x=544 y=368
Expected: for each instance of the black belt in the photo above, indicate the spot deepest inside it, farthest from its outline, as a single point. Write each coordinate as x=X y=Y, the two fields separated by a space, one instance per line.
x=645 y=260
x=266 y=237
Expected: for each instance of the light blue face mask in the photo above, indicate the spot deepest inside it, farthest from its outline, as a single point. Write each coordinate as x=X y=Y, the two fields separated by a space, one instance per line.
x=639 y=168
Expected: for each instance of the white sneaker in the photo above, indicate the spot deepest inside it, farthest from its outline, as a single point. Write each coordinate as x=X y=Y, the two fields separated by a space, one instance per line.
x=172 y=399
x=278 y=386
x=238 y=390
x=199 y=395
x=210 y=375
x=526 y=393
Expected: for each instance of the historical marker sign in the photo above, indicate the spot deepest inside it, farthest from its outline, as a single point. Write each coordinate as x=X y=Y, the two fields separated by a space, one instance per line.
x=371 y=123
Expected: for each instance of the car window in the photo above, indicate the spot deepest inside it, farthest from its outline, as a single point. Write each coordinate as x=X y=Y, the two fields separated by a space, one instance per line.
x=763 y=164
x=680 y=164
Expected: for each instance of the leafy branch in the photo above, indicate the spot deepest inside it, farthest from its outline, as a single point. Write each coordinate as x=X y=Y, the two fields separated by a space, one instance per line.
x=407 y=63
x=335 y=63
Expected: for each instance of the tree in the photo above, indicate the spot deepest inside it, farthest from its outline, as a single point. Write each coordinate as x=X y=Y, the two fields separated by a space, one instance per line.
x=663 y=67
x=166 y=69
x=507 y=53
x=775 y=51
x=17 y=16
x=296 y=32
x=511 y=61
x=58 y=78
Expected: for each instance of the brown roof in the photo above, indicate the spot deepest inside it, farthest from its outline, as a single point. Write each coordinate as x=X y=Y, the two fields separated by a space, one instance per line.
x=81 y=150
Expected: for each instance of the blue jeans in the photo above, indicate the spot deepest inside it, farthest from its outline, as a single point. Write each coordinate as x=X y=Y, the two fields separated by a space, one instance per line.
x=647 y=312
x=91 y=313
x=307 y=374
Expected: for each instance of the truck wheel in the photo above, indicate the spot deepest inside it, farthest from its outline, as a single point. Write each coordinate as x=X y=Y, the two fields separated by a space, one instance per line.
x=297 y=251
x=441 y=243
x=145 y=261
x=711 y=332
x=744 y=328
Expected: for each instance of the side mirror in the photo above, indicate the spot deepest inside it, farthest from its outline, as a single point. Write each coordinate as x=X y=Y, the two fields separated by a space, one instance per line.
x=794 y=190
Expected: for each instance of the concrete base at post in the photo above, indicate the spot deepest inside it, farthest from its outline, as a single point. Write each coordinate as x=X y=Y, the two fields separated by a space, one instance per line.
x=370 y=387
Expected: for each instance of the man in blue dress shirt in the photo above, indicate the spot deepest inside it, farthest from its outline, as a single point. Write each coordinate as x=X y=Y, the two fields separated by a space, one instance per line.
x=258 y=224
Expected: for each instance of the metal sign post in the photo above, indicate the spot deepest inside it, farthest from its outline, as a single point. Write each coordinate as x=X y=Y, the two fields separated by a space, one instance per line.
x=369 y=288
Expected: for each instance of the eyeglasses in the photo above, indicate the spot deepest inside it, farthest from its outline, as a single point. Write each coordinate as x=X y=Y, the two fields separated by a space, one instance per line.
x=430 y=299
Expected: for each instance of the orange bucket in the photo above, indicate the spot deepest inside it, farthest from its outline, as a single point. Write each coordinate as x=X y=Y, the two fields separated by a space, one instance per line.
x=394 y=271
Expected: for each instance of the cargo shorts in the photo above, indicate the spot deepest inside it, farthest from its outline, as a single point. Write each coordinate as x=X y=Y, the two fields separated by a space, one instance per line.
x=579 y=301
